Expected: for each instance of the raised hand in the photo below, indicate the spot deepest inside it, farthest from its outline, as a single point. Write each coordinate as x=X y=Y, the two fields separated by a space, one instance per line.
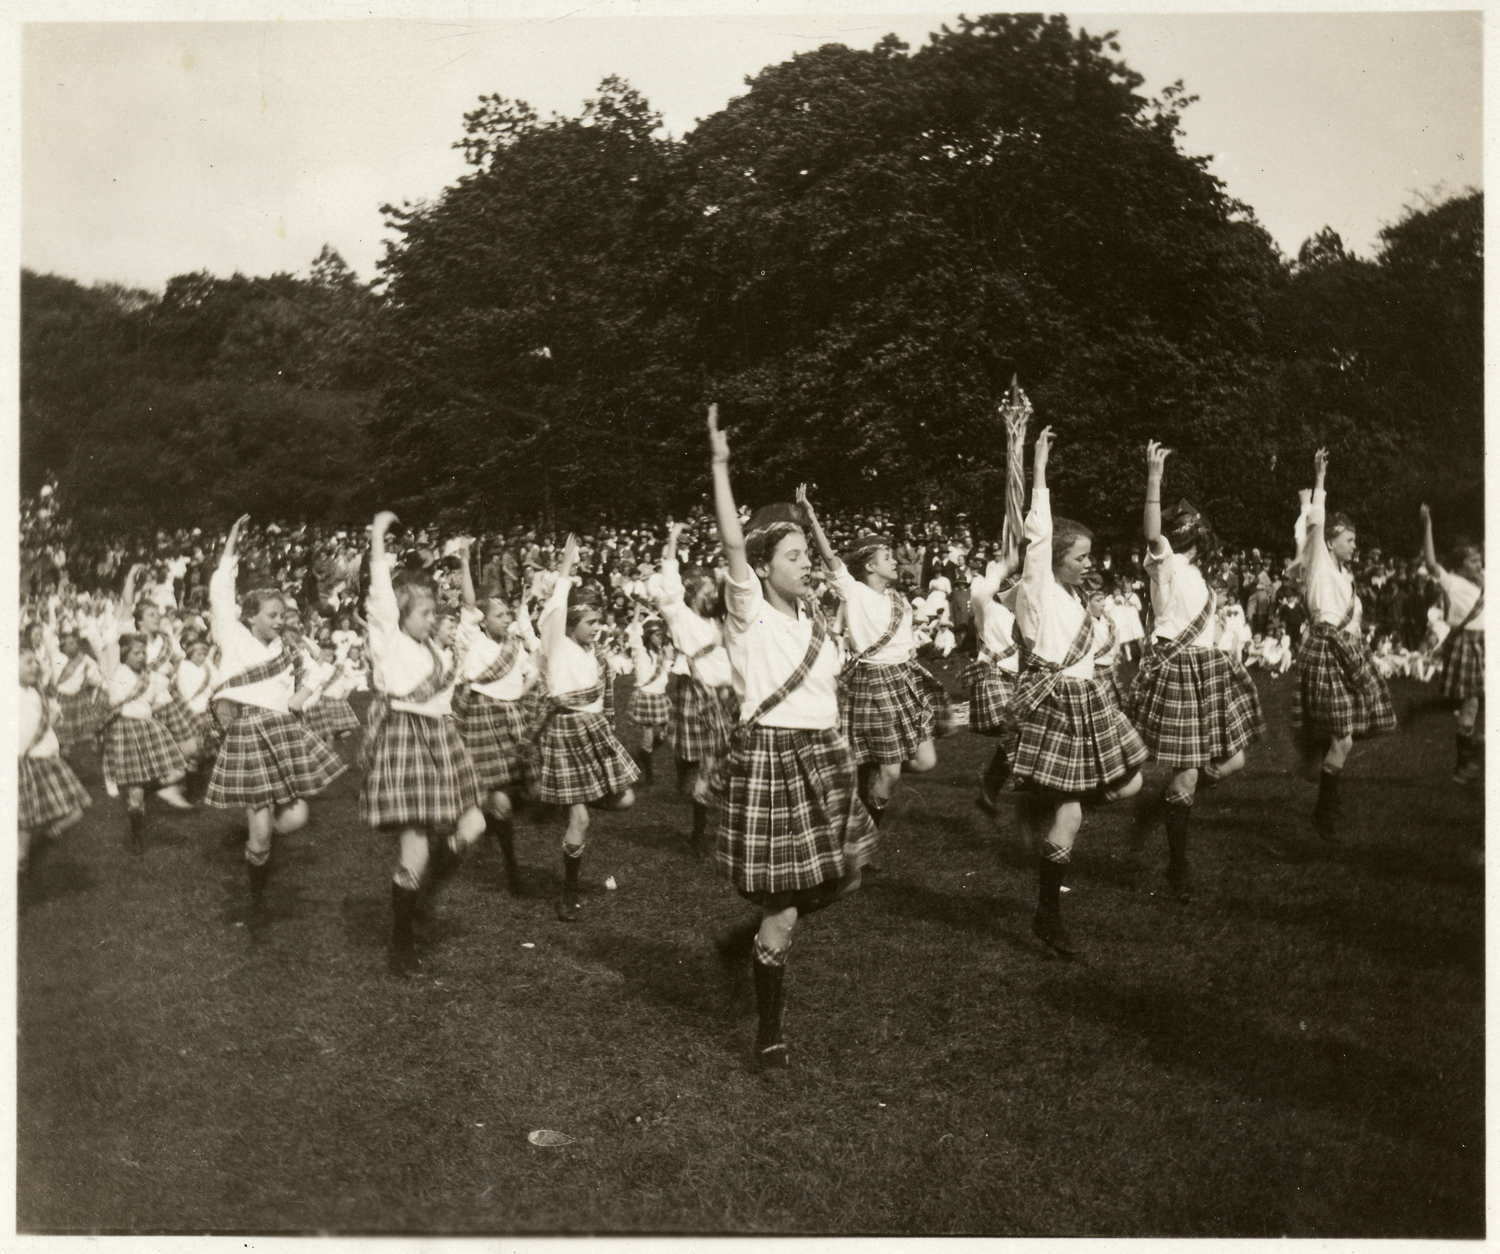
x=1043 y=447
x=1426 y=516
x=803 y=501
x=1156 y=459
x=234 y=535
x=1320 y=464
x=383 y=521
x=718 y=442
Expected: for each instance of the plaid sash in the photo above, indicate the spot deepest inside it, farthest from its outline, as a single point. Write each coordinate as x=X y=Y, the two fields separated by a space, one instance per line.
x=438 y=678
x=1446 y=651
x=498 y=669
x=1039 y=677
x=142 y=681
x=898 y=612
x=225 y=709
x=77 y=660
x=1158 y=656
x=501 y=666
x=789 y=685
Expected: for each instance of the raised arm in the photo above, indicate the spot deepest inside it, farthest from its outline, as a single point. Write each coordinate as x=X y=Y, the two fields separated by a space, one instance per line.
x=1429 y=553
x=731 y=537
x=1037 y=567
x=1315 y=513
x=669 y=550
x=466 y=578
x=1156 y=459
x=825 y=550
x=553 y=627
x=223 y=613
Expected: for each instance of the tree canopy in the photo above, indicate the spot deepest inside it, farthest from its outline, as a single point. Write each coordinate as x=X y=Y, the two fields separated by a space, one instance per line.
x=853 y=257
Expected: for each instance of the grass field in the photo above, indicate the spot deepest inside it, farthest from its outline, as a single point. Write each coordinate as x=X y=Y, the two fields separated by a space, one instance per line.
x=1299 y=1052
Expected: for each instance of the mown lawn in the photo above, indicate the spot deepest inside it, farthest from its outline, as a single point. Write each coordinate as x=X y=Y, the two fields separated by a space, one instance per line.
x=1299 y=1052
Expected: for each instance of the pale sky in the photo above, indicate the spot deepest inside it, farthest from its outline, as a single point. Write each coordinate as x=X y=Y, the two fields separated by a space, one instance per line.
x=153 y=149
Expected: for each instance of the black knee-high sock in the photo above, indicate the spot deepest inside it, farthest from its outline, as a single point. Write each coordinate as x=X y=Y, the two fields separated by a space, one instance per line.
x=997 y=772
x=137 y=828
x=1179 y=820
x=684 y=771
x=1052 y=870
x=403 y=913
x=572 y=864
x=700 y=826
x=770 y=997
x=259 y=875
x=1329 y=810
x=505 y=836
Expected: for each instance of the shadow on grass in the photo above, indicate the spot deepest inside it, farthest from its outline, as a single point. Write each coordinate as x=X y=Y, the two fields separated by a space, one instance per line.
x=53 y=876
x=1003 y=918
x=1357 y=1083
x=1421 y=945
x=684 y=977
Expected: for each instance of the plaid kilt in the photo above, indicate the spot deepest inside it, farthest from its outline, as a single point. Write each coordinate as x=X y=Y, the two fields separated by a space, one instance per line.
x=494 y=733
x=269 y=758
x=140 y=751
x=46 y=790
x=1463 y=666
x=1339 y=692
x=419 y=773
x=1077 y=739
x=885 y=713
x=81 y=716
x=173 y=715
x=650 y=709
x=1198 y=707
x=990 y=690
x=578 y=760
x=328 y=717
x=788 y=811
x=702 y=720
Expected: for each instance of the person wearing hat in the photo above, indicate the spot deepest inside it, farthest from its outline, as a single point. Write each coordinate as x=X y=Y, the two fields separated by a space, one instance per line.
x=792 y=832
x=1194 y=705
x=1074 y=742
x=1340 y=693
x=887 y=717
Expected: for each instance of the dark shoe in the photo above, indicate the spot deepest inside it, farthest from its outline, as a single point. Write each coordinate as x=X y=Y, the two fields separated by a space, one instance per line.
x=567 y=911
x=1049 y=929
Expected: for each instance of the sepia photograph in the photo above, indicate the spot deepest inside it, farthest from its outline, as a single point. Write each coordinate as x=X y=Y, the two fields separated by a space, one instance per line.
x=684 y=620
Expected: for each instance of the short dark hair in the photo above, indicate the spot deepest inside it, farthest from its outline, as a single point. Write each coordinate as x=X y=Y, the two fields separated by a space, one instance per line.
x=761 y=545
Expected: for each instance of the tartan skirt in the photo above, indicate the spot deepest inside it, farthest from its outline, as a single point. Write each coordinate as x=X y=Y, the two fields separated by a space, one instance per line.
x=885 y=713
x=269 y=758
x=173 y=715
x=81 y=716
x=1199 y=707
x=990 y=689
x=494 y=733
x=578 y=760
x=650 y=709
x=328 y=718
x=1463 y=666
x=46 y=790
x=1077 y=740
x=418 y=773
x=788 y=811
x=1339 y=692
x=140 y=751
x=702 y=720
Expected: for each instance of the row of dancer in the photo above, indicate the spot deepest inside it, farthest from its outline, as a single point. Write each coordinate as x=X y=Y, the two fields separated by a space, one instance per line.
x=793 y=780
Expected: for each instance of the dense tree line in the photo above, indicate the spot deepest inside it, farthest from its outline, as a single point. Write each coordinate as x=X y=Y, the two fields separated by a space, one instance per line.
x=853 y=257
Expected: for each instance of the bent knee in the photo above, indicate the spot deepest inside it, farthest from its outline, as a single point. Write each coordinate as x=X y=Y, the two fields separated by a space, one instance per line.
x=925 y=759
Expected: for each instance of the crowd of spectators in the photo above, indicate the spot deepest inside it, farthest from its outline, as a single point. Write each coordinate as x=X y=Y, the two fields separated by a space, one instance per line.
x=324 y=571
